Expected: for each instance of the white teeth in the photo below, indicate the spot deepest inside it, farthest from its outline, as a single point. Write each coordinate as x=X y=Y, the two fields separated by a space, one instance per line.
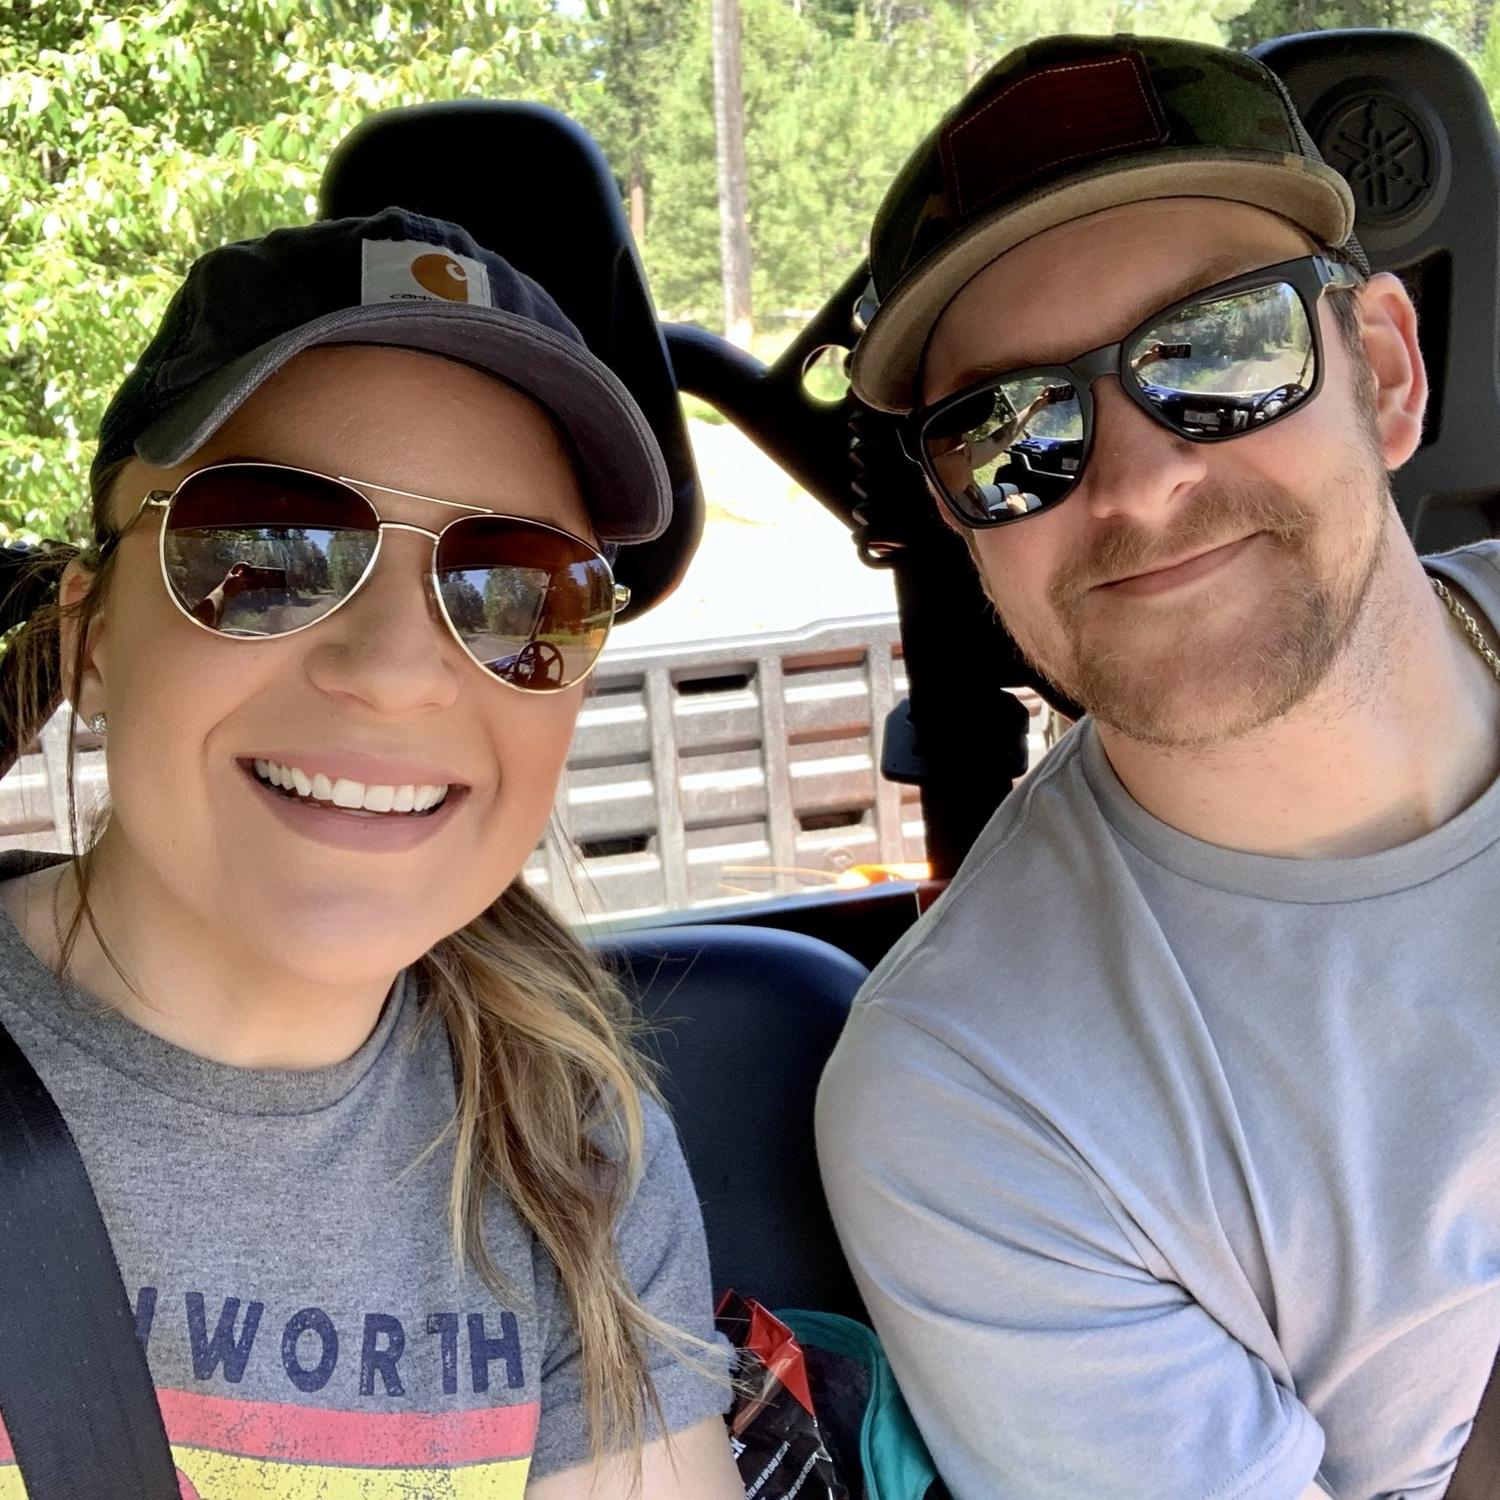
x=348 y=793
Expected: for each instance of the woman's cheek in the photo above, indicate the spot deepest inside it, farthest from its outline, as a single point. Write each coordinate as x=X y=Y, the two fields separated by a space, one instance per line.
x=533 y=753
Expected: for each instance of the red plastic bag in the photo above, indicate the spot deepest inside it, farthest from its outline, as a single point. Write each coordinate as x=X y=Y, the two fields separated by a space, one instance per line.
x=773 y=1427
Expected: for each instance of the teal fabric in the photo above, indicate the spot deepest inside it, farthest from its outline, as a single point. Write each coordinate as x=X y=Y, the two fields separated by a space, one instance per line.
x=896 y=1463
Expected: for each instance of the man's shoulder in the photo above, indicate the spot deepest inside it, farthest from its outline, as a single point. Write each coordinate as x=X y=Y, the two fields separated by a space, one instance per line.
x=1476 y=569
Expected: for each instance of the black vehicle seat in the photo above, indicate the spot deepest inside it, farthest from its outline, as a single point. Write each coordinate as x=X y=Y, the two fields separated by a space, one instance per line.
x=744 y=1019
x=747 y=1015
x=1407 y=122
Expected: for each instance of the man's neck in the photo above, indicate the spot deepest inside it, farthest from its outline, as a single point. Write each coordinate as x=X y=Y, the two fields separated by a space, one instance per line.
x=1402 y=735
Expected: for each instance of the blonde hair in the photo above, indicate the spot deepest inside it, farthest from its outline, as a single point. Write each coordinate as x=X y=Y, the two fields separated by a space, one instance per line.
x=549 y=1082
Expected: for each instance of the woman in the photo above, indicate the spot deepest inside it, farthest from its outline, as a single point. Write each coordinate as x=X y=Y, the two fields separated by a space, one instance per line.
x=384 y=1177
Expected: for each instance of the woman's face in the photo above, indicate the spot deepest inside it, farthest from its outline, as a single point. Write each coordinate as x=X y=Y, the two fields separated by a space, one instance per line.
x=379 y=692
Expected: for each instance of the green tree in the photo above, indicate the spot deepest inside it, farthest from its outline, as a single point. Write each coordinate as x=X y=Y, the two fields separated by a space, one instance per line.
x=623 y=59
x=1463 y=24
x=135 y=139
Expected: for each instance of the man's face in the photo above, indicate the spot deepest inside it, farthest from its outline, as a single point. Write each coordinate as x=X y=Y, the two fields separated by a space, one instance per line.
x=1183 y=593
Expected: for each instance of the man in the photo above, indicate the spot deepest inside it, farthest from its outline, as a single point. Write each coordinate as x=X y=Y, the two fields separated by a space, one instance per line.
x=1166 y=1150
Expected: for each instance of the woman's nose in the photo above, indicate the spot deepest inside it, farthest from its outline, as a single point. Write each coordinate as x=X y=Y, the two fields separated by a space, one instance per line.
x=386 y=646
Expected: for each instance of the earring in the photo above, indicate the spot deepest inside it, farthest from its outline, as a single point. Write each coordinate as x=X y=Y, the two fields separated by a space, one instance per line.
x=98 y=723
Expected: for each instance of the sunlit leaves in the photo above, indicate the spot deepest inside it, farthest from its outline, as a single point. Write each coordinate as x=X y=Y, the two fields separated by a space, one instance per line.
x=132 y=140
x=133 y=136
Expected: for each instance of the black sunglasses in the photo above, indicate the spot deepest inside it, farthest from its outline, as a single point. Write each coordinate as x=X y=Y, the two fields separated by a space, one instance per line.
x=252 y=551
x=1226 y=361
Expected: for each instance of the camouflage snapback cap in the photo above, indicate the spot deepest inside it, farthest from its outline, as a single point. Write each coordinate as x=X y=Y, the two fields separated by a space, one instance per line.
x=1065 y=127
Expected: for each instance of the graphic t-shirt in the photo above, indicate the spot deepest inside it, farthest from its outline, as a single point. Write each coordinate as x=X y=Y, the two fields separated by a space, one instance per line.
x=286 y=1247
x=1169 y=1170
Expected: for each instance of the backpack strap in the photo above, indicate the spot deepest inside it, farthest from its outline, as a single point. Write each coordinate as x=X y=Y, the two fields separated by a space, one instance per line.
x=76 y=1393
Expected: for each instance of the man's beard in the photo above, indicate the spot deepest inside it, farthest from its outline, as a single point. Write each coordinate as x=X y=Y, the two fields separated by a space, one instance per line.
x=1195 y=686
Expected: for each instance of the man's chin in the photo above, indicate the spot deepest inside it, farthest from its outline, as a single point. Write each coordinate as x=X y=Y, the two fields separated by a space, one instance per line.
x=1194 y=697
x=1194 y=725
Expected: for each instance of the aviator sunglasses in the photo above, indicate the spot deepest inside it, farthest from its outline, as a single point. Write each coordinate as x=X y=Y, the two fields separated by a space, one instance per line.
x=254 y=551
x=1226 y=361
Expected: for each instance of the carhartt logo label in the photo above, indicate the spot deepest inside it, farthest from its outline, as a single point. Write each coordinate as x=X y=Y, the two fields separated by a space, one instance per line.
x=414 y=271
x=443 y=275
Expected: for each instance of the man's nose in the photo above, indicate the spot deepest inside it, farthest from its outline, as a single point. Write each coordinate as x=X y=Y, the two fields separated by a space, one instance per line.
x=1137 y=469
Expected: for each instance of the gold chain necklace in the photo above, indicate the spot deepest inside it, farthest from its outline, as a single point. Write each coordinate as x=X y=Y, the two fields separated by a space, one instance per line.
x=1470 y=626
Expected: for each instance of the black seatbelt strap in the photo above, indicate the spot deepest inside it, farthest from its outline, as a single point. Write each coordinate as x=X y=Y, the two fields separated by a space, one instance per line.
x=75 y=1389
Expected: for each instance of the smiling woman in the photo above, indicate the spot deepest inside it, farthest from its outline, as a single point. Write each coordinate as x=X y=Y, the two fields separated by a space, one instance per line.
x=311 y=1032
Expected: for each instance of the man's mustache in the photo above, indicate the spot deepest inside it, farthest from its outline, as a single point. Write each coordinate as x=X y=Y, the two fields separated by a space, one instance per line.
x=1213 y=518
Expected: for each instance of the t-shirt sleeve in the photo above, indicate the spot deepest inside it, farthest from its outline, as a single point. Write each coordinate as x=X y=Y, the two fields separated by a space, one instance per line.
x=1039 y=1355
x=665 y=1258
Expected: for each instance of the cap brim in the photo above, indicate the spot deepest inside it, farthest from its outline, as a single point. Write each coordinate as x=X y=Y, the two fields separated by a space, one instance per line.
x=888 y=358
x=624 y=477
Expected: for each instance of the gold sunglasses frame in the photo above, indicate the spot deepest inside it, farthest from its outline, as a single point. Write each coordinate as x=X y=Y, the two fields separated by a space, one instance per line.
x=162 y=500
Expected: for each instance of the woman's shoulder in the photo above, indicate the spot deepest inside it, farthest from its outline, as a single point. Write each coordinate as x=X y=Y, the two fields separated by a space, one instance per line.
x=658 y=1129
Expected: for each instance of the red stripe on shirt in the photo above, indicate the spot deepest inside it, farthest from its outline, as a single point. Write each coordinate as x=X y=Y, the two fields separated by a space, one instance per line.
x=370 y=1439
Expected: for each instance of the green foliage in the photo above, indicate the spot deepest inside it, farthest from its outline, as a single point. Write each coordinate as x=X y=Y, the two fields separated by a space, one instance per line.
x=133 y=140
x=136 y=136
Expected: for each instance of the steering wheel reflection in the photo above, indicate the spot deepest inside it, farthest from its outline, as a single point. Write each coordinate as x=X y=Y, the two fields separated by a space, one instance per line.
x=536 y=664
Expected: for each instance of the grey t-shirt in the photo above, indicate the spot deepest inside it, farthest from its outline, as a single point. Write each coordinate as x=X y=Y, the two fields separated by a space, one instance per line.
x=292 y=1271
x=1173 y=1171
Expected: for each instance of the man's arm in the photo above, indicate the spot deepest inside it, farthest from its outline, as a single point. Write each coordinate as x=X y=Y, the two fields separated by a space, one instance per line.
x=693 y=1465
x=1041 y=1357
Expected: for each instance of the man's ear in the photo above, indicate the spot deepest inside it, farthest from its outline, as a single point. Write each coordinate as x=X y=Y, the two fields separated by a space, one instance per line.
x=87 y=693
x=1388 y=333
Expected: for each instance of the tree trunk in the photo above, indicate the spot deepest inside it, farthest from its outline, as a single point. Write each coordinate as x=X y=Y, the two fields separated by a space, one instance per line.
x=729 y=131
x=637 y=198
x=1481 y=19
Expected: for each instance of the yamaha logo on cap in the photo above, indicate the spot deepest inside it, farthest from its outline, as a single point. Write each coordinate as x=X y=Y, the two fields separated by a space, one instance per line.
x=417 y=271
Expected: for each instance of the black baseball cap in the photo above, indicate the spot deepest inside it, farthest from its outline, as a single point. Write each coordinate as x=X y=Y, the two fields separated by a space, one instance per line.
x=396 y=279
x=1063 y=128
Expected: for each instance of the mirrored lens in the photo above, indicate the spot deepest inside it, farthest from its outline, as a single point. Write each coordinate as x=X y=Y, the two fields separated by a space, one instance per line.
x=254 y=550
x=1223 y=367
x=1010 y=449
x=534 y=606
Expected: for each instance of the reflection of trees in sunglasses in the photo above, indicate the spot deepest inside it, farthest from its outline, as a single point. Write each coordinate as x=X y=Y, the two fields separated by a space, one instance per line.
x=1246 y=344
x=528 y=601
x=514 y=601
x=347 y=556
x=300 y=573
x=463 y=601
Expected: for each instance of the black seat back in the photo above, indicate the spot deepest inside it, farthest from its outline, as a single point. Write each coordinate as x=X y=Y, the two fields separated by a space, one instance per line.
x=746 y=1018
x=1408 y=124
x=554 y=211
